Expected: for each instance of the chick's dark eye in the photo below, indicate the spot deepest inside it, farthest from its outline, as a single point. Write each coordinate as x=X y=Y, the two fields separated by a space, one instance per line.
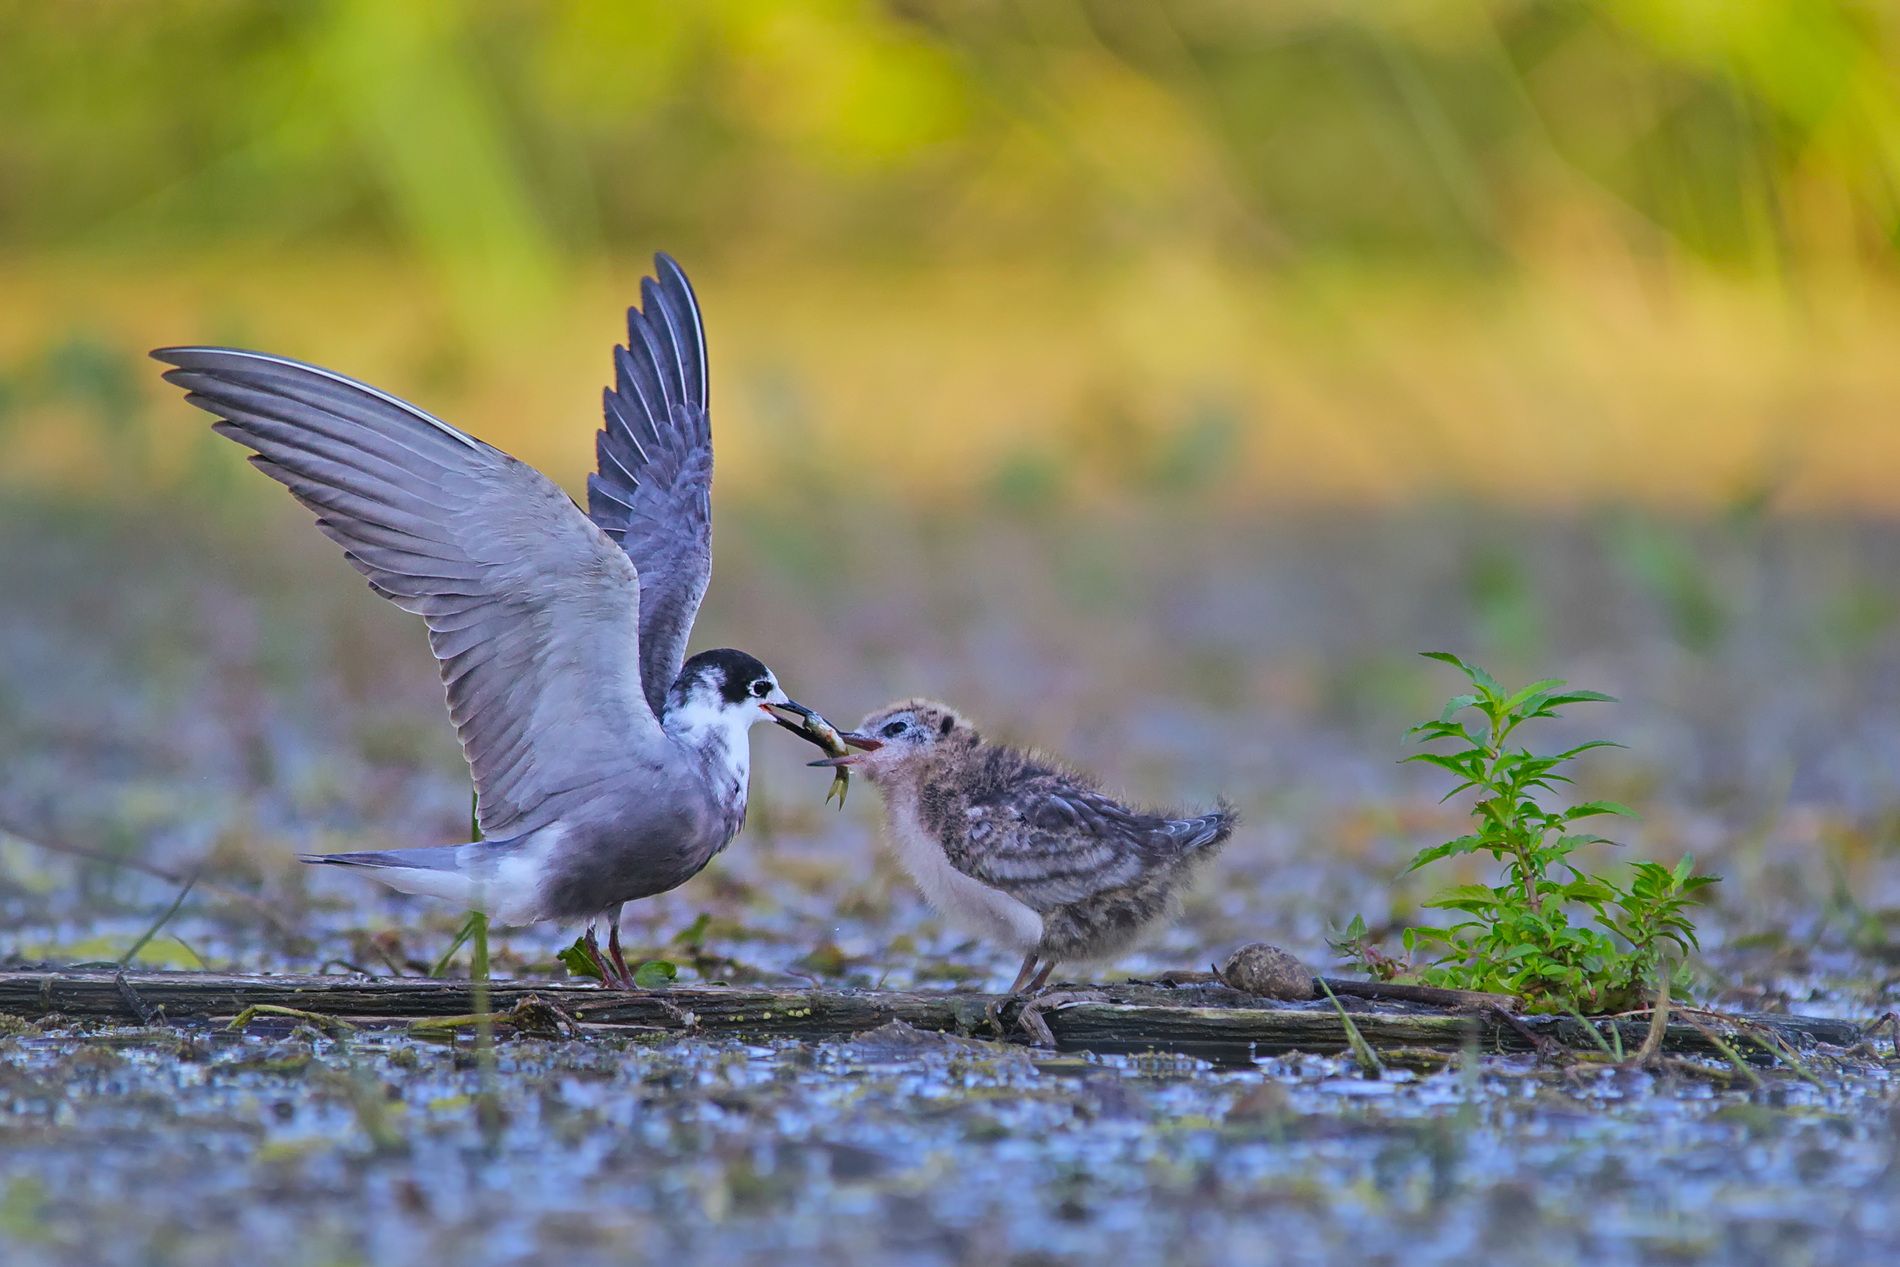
x=761 y=688
x=892 y=729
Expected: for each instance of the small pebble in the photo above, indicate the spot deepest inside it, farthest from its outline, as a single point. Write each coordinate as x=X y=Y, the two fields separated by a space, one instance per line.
x=1268 y=971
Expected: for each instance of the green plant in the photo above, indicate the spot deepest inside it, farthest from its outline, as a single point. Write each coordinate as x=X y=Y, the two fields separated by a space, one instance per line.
x=1559 y=937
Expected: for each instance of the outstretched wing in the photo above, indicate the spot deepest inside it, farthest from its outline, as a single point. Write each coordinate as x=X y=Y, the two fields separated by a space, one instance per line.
x=1053 y=841
x=532 y=611
x=653 y=491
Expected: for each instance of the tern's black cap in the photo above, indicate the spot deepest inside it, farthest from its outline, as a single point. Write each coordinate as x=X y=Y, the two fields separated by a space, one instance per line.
x=731 y=672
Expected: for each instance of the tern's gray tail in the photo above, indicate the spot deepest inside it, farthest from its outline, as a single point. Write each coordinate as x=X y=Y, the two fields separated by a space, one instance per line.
x=473 y=875
x=432 y=858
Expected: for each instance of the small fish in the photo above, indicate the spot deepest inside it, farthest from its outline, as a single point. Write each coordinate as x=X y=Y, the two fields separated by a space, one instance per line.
x=814 y=728
x=825 y=735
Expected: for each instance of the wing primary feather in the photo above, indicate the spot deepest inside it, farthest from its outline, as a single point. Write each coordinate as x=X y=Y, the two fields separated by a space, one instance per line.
x=604 y=453
x=616 y=410
x=674 y=284
x=651 y=489
x=665 y=326
x=222 y=395
x=189 y=357
x=674 y=318
x=598 y=488
x=636 y=378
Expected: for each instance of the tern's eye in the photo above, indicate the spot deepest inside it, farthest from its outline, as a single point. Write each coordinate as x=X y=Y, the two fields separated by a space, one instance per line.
x=893 y=729
x=761 y=689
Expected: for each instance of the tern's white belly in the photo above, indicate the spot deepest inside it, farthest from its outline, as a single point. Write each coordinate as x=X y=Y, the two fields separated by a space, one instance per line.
x=969 y=904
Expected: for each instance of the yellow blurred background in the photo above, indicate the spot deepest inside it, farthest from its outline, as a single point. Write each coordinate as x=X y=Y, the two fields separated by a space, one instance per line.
x=1540 y=254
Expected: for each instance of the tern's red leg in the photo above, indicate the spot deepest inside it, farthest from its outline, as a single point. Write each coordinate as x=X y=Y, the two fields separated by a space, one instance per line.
x=613 y=949
x=1042 y=976
x=1022 y=976
x=592 y=945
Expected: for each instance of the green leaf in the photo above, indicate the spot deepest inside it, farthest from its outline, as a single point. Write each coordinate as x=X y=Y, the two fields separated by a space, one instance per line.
x=1535 y=688
x=654 y=973
x=1448 y=658
x=1590 y=809
x=1464 y=844
x=580 y=960
x=1459 y=894
x=1578 y=697
x=1586 y=747
x=694 y=933
x=1443 y=730
x=1458 y=764
x=1588 y=889
x=1454 y=704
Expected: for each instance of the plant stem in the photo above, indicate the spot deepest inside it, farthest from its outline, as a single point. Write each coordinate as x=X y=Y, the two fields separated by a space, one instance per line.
x=1658 y=1022
x=272 y=1009
x=1368 y=1059
x=159 y=923
x=488 y=1099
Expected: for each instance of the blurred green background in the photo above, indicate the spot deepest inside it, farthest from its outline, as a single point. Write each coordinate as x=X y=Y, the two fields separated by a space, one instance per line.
x=1537 y=253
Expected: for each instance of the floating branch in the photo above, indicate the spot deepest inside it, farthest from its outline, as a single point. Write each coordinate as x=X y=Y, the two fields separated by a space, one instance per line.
x=1203 y=1020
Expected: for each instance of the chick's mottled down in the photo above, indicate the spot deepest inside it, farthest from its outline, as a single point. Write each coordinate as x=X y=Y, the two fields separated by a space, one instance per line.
x=1013 y=847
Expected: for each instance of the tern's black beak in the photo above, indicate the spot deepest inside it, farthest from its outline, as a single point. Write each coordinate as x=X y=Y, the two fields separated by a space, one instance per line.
x=864 y=743
x=803 y=727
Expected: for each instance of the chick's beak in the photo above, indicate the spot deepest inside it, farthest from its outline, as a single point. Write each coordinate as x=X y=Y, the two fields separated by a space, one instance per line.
x=864 y=743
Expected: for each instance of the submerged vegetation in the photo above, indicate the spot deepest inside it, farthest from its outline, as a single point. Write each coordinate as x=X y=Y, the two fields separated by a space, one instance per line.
x=1558 y=936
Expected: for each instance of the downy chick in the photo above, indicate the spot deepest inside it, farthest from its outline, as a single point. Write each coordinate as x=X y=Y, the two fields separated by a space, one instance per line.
x=1012 y=847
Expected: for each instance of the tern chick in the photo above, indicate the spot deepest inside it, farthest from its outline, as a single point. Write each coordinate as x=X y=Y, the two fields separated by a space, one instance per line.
x=1015 y=848
x=605 y=768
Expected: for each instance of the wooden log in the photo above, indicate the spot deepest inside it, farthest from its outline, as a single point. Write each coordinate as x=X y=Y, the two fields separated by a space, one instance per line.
x=1210 y=1021
x=1399 y=992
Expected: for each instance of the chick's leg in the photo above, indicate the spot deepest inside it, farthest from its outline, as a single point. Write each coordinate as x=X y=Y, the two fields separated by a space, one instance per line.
x=1023 y=975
